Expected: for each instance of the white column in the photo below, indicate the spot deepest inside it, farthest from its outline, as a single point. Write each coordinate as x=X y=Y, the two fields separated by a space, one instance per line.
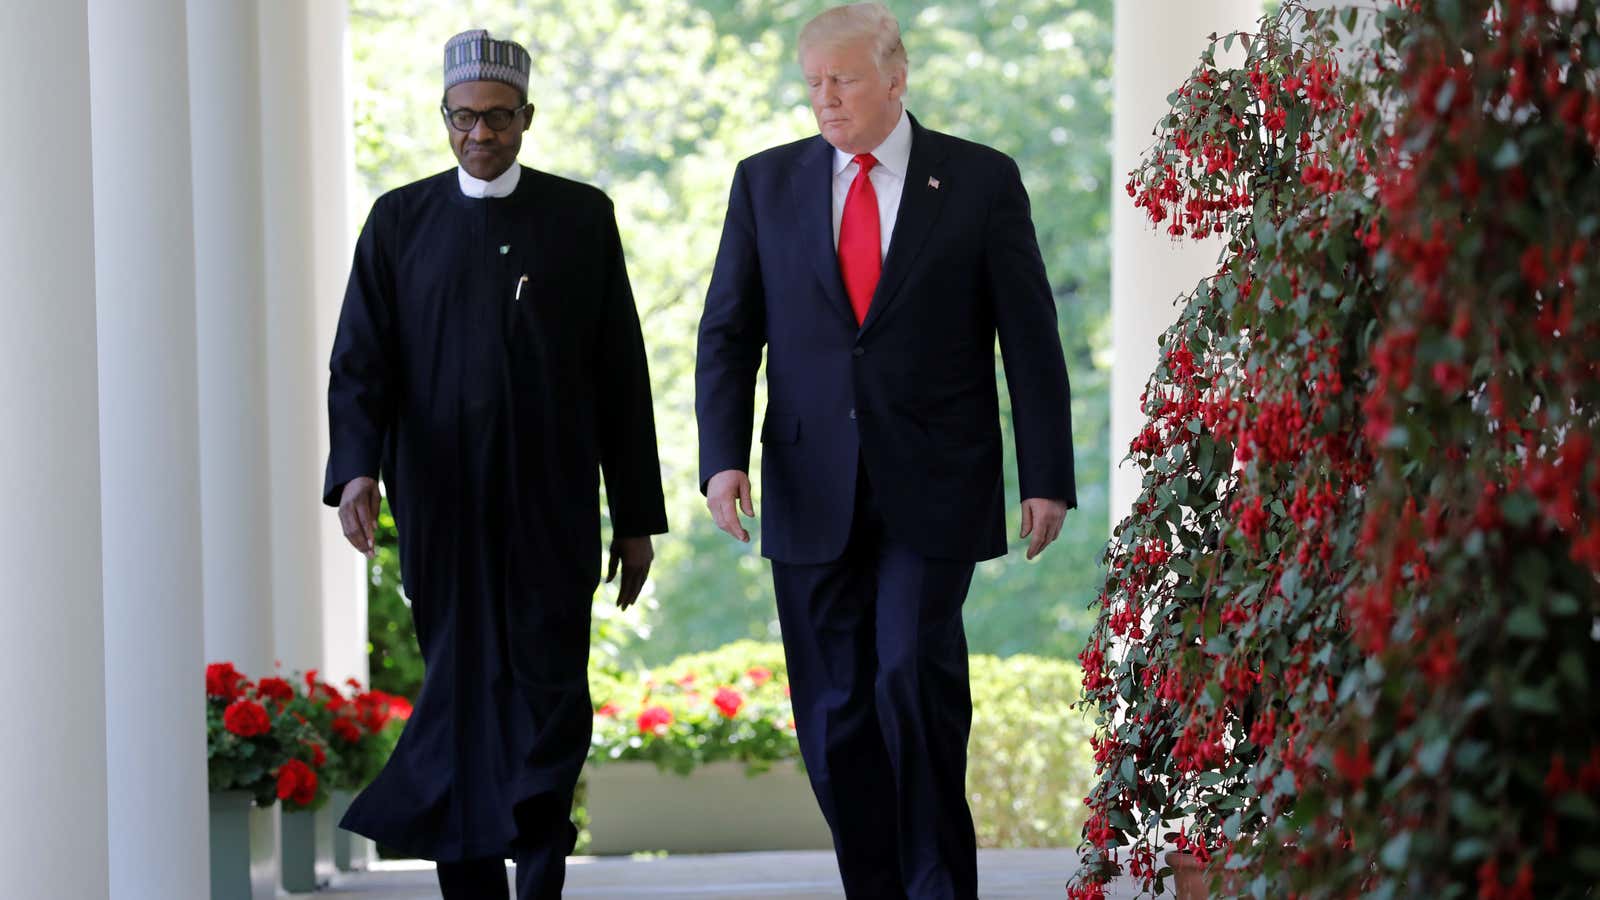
x=230 y=321
x=344 y=574
x=1157 y=45
x=53 y=821
x=149 y=459
x=293 y=407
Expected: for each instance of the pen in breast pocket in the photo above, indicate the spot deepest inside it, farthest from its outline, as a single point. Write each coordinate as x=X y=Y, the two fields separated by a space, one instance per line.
x=520 y=282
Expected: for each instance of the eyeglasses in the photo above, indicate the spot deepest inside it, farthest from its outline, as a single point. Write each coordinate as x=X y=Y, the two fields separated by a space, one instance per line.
x=465 y=119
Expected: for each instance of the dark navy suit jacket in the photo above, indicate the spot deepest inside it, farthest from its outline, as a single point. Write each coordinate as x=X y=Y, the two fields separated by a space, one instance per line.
x=910 y=393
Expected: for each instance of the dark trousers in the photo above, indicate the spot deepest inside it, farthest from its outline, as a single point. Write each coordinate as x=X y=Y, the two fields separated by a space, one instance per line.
x=545 y=837
x=878 y=672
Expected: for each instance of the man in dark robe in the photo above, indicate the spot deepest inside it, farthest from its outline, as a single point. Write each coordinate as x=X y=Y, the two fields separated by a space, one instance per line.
x=489 y=363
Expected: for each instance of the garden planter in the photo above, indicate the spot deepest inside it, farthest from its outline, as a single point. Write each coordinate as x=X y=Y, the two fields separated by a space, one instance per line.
x=351 y=852
x=1188 y=876
x=298 y=853
x=717 y=808
x=242 y=847
x=1191 y=880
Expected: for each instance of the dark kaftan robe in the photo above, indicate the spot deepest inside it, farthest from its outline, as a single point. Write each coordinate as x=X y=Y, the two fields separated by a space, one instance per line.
x=490 y=416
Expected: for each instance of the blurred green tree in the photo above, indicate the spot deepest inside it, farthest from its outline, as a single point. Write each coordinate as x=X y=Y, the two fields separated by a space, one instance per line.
x=655 y=101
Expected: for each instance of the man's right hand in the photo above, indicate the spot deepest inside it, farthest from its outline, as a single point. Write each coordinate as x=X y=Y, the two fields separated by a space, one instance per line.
x=727 y=493
x=358 y=514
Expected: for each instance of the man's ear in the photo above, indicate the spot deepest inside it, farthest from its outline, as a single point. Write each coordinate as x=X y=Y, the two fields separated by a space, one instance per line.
x=527 y=118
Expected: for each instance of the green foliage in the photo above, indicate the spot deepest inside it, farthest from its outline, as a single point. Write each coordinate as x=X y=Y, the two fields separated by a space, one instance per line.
x=394 y=658
x=655 y=101
x=1029 y=765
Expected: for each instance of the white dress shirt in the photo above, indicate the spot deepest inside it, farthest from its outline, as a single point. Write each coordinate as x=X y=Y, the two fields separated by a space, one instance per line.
x=502 y=186
x=888 y=180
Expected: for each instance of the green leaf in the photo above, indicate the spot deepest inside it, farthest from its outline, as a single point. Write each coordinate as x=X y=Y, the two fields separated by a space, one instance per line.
x=1525 y=622
x=1509 y=154
x=1535 y=700
x=1432 y=757
x=1571 y=667
x=1396 y=850
x=1577 y=806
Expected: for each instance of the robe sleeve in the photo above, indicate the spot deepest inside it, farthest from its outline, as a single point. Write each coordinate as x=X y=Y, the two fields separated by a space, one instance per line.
x=627 y=429
x=361 y=372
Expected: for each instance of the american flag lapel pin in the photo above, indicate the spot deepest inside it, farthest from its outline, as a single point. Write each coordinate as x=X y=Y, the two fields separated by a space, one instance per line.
x=933 y=182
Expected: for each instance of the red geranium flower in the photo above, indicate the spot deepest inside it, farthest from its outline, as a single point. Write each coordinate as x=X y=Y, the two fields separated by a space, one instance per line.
x=223 y=681
x=275 y=689
x=760 y=675
x=297 y=783
x=246 y=718
x=399 y=707
x=654 y=720
x=729 y=701
x=345 y=729
x=609 y=710
x=319 y=756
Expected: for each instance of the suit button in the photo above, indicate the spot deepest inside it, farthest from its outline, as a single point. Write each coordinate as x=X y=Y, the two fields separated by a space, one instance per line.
x=859 y=352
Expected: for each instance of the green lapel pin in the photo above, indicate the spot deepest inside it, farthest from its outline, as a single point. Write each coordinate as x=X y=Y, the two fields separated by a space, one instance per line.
x=504 y=249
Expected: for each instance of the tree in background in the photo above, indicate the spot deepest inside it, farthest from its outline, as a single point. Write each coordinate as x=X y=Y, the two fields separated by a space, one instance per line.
x=655 y=101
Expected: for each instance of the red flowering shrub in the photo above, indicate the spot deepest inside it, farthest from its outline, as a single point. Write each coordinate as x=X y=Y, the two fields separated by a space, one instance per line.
x=1348 y=644
x=252 y=732
x=266 y=737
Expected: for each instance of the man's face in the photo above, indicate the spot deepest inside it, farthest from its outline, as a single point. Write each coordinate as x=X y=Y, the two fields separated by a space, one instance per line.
x=485 y=153
x=856 y=105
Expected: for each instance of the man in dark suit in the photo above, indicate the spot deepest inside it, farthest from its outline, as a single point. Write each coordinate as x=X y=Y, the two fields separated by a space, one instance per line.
x=876 y=263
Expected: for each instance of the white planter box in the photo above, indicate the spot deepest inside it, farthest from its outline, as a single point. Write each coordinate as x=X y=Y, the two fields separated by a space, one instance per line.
x=717 y=808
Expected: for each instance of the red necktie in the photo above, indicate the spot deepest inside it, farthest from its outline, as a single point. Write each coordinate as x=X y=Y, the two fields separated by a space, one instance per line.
x=860 y=261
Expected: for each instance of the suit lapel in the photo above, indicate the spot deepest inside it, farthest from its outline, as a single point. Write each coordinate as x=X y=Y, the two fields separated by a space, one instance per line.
x=920 y=202
x=812 y=189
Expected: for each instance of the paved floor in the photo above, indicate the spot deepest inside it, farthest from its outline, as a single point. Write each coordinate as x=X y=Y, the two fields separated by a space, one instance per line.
x=1002 y=875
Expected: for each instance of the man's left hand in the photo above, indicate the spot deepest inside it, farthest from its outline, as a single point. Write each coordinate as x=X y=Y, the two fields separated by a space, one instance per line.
x=1042 y=519
x=633 y=555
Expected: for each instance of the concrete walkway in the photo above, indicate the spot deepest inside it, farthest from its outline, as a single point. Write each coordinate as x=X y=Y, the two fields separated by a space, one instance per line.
x=1002 y=875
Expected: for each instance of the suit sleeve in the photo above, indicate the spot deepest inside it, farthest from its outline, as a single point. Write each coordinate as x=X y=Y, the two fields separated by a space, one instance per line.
x=1036 y=370
x=627 y=429
x=361 y=371
x=732 y=335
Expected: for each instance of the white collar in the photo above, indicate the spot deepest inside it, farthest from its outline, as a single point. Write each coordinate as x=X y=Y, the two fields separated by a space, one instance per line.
x=502 y=186
x=893 y=155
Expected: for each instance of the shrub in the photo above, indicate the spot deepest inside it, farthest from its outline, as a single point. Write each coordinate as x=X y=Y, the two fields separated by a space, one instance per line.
x=258 y=740
x=1028 y=763
x=1346 y=644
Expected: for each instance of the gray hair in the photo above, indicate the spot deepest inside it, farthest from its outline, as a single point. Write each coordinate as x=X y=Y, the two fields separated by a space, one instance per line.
x=859 y=21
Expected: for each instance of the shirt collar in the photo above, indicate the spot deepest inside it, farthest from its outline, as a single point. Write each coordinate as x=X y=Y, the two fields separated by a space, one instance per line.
x=893 y=155
x=502 y=186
